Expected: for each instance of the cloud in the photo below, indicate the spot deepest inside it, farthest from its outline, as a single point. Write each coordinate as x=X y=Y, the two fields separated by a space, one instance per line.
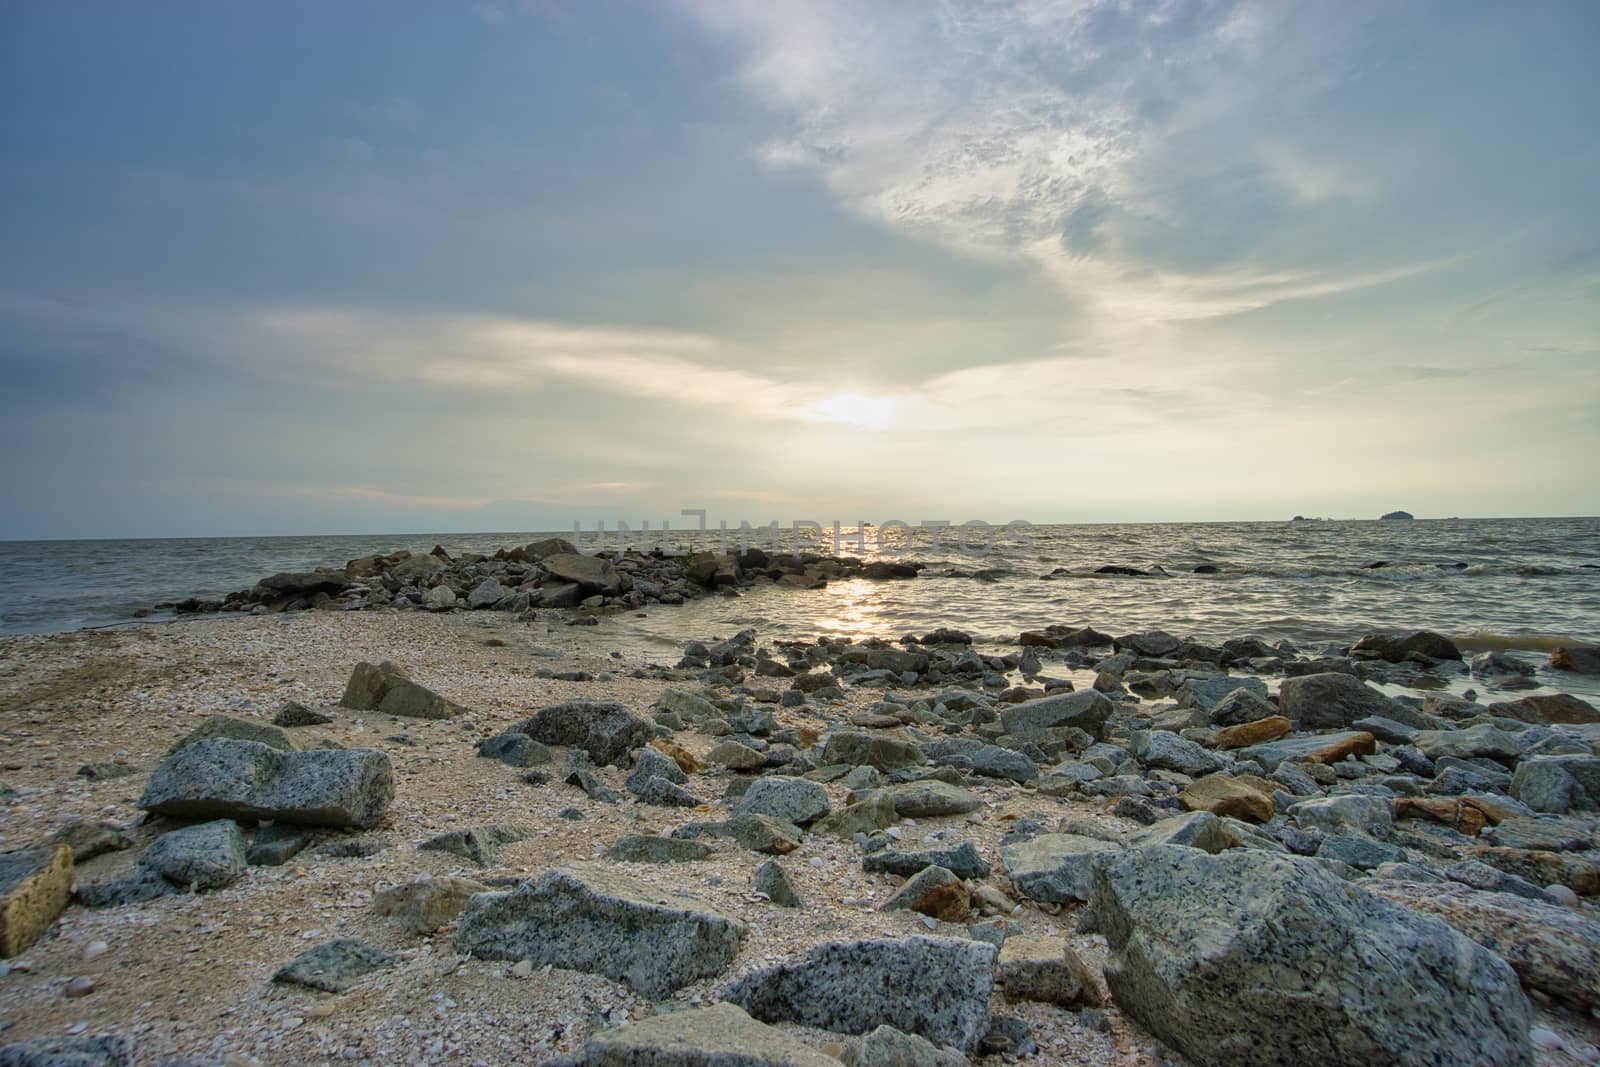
x=1057 y=132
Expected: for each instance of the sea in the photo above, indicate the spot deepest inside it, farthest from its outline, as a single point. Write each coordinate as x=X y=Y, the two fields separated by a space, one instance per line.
x=1521 y=585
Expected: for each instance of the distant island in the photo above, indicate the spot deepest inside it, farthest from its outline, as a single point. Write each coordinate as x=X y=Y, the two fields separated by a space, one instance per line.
x=1397 y=516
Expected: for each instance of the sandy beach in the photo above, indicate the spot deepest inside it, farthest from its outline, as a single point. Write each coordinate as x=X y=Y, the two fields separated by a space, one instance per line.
x=191 y=975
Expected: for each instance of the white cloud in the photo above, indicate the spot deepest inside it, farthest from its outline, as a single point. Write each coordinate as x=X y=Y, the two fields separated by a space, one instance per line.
x=1041 y=130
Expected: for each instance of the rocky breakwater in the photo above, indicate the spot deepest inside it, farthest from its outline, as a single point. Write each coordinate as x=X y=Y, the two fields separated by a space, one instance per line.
x=545 y=574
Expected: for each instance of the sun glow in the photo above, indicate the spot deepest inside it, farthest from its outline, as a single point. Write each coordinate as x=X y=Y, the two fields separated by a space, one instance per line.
x=855 y=409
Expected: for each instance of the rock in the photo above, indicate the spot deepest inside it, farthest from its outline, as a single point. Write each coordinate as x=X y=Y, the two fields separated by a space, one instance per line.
x=1475 y=741
x=1332 y=701
x=439 y=598
x=1241 y=706
x=1209 y=692
x=1161 y=750
x=1054 y=868
x=687 y=762
x=1579 y=660
x=1087 y=710
x=930 y=798
x=1047 y=970
x=35 y=885
x=938 y=988
x=759 y=833
x=1558 y=784
x=588 y=918
x=293 y=713
x=607 y=731
x=992 y=761
x=935 y=892
x=1549 y=835
x=479 y=844
x=1547 y=708
x=427 y=904
x=1551 y=948
x=876 y=812
x=650 y=762
x=486 y=594
x=888 y=1047
x=1246 y=797
x=87 y=839
x=771 y=880
x=1579 y=872
x=207 y=856
x=1257 y=732
x=514 y=750
x=140 y=885
x=103 y=1050
x=106 y=772
x=1309 y=748
x=246 y=780
x=1398 y=647
x=1248 y=958
x=721 y=1035
x=794 y=800
x=1154 y=644
x=335 y=966
x=237 y=730
x=647 y=848
x=388 y=689
x=962 y=860
x=872 y=750
x=589 y=573
x=664 y=794
x=736 y=757
x=1198 y=829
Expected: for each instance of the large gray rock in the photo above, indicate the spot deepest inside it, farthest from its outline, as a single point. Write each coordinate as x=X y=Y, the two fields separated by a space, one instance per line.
x=222 y=779
x=1316 y=748
x=1558 y=784
x=486 y=594
x=719 y=1036
x=1252 y=959
x=992 y=761
x=385 y=687
x=1088 y=710
x=931 y=798
x=794 y=800
x=1208 y=691
x=1333 y=701
x=1481 y=740
x=1551 y=948
x=1055 y=868
x=587 y=918
x=334 y=966
x=589 y=573
x=1163 y=750
x=885 y=752
x=759 y=833
x=936 y=987
x=208 y=856
x=962 y=860
x=607 y=731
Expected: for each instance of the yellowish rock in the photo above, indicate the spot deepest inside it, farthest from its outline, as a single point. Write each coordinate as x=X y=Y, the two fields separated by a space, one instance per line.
x=1254 y=733
x=35 y=885
x=1046 y=969
x=1246 y=797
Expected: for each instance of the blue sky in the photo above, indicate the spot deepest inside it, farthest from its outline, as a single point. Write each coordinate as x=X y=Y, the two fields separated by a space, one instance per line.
x=374 y=267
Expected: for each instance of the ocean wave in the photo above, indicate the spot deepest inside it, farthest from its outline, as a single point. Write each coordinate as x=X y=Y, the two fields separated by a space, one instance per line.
x=1489 y=641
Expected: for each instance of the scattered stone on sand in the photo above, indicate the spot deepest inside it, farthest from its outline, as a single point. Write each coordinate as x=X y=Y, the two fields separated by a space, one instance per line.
x=605 y=730
x=335 y=966
x=427 y=904
x=586 y=918
x=937 y=988
x=1046 y=969
x=35 y=885
x=721 y=1035
x=387 y=688
x=220 y=778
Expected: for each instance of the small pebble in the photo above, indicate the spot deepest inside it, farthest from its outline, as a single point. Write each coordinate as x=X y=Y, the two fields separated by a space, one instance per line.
x=522 y=969
x=1564 y=895
x=80 y=987
x=95 y=949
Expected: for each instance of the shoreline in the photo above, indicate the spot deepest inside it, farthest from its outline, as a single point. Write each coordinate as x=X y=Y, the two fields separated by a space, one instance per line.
x=191 y=975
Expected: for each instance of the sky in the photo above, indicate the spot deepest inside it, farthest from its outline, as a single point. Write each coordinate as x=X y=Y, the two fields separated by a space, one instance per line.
x=510 y=265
